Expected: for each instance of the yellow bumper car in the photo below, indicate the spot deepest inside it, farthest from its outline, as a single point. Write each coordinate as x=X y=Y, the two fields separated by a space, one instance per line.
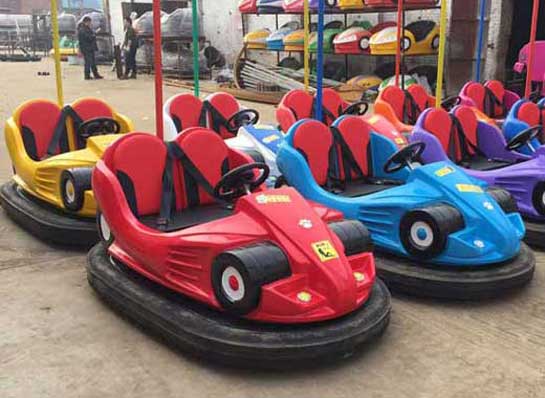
x=257 y=39
x=420 y=37
x=53 y=151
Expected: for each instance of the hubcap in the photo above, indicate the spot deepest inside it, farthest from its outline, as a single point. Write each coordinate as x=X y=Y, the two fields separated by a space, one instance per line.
x=70 y=191
x=364 y=43
x=406 y=44
x=421 y=235
x=104 y=228
x=435 y=42
x=232 y=284
x=543 y=198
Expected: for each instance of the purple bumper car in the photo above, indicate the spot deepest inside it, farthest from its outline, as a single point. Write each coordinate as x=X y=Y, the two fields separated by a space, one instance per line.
x=484 y=154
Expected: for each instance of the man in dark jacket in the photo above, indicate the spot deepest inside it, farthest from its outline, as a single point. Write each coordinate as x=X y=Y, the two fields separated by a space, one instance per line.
x=130 y=45
x=88 y=45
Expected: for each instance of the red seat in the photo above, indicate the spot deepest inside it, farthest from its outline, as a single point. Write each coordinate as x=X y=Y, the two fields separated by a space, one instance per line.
x=296 y=105
x=421 y=98
x=438 y=122
x=37 y=121
x=530 y=114
x=395 y=97
x=199 y=159
x=185 y=111
x=333 y=104
x=138 y=160
x=222 y=106
x=348 y=152
x=356 y=134
x=488 y=98
x=314 y=141
x=441 y=124
x=207 y=151
x=87 y=109
x=497 y=89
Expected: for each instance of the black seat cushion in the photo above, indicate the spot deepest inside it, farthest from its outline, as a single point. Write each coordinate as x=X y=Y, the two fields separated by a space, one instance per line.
x=356 y=189
x=483 y=164
x=189 y=217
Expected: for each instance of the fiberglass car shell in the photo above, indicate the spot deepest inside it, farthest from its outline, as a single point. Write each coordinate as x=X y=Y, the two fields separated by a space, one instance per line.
x=331 y=30
x=356 y=39
x=249 y=261
x=485 y=236
x=486 y=158
x=420 y=37
x=50 y=193
x=276 y=40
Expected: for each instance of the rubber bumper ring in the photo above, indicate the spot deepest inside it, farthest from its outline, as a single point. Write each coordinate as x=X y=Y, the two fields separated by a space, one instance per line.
x=232 y=341
x=535 y=234
x=45 y=221
x=456 y=283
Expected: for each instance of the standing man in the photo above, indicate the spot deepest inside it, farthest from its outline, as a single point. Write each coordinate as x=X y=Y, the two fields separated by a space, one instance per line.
x=130 y=45
x=88 y=45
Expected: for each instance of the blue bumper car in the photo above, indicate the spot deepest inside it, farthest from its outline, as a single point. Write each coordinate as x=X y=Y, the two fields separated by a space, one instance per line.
x=437 y=231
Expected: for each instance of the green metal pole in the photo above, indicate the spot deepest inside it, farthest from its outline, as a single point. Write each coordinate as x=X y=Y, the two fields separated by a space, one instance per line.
x=195 y=47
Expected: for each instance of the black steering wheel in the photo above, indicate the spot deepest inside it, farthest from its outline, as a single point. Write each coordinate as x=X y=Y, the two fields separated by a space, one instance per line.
x=242 y=118
x=451 y=102
x=404 y=157
x=523 y=138
x=241 y=180
x=98 y=126
x=357 y=109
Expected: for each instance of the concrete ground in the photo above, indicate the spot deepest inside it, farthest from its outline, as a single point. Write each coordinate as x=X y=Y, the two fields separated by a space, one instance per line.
x=57 y=339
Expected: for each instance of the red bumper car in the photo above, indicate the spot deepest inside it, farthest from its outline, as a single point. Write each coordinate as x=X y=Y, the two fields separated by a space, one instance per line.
x=196 y=251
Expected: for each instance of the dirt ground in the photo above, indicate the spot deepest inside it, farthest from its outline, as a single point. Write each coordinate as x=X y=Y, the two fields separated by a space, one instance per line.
x=57 y=339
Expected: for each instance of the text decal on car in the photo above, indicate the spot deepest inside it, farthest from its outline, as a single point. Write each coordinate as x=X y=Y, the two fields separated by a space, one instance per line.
x=271 y=138
x=445 y=171
x=469 y=188
x=265 y=199
x=325 y=251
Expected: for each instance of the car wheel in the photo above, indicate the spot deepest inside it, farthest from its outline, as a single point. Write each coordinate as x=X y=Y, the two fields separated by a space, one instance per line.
x=354 y=236
x=331 y=3
x=239 y=274
x=405 y=44
x=106 y=235
x=73 y=184
x=424 y=232
x=364 y=43
x=435 y=42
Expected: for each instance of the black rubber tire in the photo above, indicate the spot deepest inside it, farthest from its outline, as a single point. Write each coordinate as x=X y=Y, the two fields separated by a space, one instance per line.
x=455 y=283
x=368 y=44
x=219 y=337
x=537 y=197
x=81 y=180
x=535 y=234
x=255 y=155
x=45 y=221
x=354 y=236
x=257 y=266
x=442 y=219
x=504 y=199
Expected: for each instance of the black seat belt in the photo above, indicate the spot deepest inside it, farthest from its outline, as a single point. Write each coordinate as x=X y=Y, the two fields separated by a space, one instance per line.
x=66 y=112
x=465 y=143
x=491 y=101
x=411 y=110
x=349 y=161
x=218 y=120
